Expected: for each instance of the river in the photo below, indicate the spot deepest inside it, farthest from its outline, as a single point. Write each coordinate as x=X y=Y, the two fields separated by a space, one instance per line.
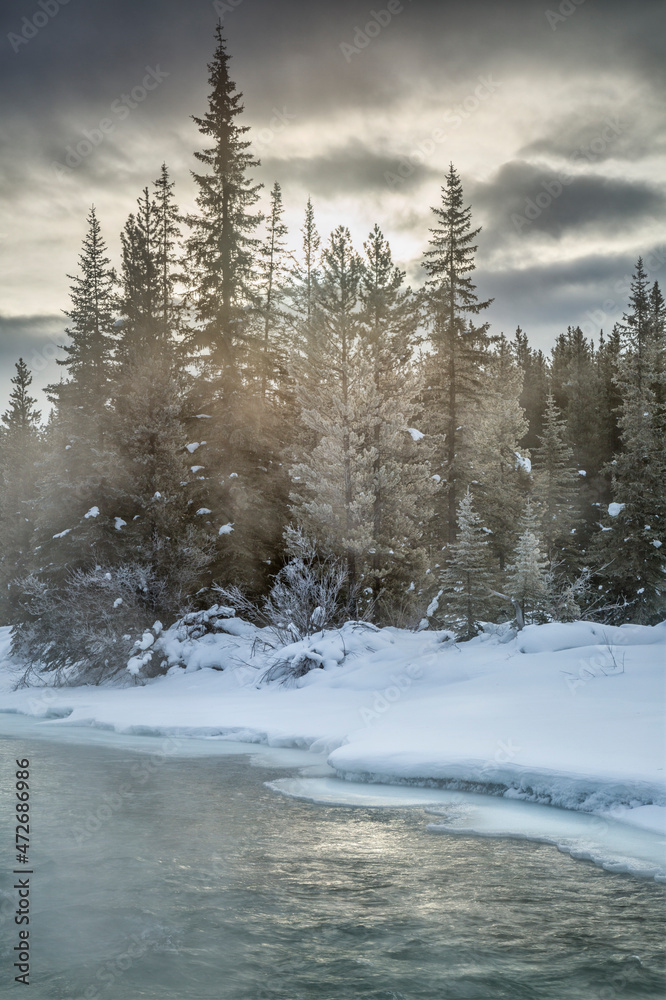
x=167 y=869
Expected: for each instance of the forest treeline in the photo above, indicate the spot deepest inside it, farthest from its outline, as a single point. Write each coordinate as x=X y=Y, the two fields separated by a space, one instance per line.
x=246 y=422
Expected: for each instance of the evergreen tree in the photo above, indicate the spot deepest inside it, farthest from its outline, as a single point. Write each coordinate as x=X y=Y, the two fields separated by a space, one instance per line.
x=500 y=466
x=401 y=486
x=273 y=259
x=92 y=317
x=73 y=474
x=629 y=550
x=555 y=483
x=333 y=505
x=455 y=370
x=222 y=246
x=534 y=367
x=167 y=249
x=528 y=576
x=19 y=455
x=467 y=577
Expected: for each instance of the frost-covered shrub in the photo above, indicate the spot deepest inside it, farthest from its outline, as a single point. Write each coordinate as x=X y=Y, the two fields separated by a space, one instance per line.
x=306 y=595
x=86 y=630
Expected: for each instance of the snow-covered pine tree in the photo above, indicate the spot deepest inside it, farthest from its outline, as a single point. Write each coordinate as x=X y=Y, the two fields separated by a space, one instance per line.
x=556 y=483
x=528 y=578
x=454 y=374
x=304 y=277
x=467 y=578
x=332 y=499
x=20 y=448
x=629 y=549
x=500 y=467
x=273 y=266
x=402 y=486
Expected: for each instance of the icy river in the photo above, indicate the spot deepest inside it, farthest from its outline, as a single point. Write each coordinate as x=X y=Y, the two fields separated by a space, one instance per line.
x=164 y=868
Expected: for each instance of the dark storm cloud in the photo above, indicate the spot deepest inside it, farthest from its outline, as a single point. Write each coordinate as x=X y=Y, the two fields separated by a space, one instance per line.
x=525 y=198
x=591 y=292
x=36 y=339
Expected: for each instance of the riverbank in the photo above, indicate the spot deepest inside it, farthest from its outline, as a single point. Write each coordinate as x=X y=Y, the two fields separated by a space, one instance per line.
x=568 y=715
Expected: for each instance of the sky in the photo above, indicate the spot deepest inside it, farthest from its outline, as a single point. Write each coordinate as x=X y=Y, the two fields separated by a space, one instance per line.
x=553 y=117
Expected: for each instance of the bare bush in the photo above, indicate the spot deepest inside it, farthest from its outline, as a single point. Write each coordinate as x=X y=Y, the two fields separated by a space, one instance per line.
x=306 y=595
x=85 y=630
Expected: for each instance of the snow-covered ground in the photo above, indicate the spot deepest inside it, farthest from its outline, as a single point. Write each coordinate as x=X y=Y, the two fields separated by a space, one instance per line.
x=568 y=716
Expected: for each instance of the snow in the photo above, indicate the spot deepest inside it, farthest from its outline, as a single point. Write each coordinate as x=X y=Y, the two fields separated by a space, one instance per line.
x=560 y=726
x=615 y=508
x=93 y=512
x=522 y=462
x=415 y=435
x=197 y=468
x=204 y=510
x=61 y=534
x=193 y=446
x=119 y=524
x=226 y=529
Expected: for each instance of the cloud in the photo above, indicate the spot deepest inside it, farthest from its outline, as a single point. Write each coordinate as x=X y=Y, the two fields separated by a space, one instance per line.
x=353 y=168
x=526 y=199
x=35 y=339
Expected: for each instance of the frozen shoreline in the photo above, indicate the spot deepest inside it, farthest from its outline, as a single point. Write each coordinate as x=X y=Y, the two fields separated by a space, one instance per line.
x=569 y=715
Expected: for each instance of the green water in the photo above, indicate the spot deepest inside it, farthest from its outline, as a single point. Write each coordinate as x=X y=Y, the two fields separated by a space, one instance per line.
x=172 y=877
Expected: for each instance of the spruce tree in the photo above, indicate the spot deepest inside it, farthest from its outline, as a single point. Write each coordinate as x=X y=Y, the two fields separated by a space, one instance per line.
x=91 y=333
x=555 y=484
x=629 y=550
x=467 y=577
x=19 y=456
x=222 y=247
x=528 y=576
x=402 y=487
x=333 y=502
x=273 y=261
x=500 y=466
x=455 y=370
x=167 y=249
x=534 y=367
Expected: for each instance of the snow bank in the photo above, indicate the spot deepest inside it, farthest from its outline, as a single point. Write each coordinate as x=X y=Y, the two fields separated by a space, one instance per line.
x=567 y=715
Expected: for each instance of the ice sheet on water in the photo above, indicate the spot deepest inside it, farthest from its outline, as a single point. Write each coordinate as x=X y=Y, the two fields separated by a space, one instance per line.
x=608 y=842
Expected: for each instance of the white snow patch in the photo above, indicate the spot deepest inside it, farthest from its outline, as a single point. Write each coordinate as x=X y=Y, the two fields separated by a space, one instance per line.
x=61 y=534
x=204 y=510
x=118 y=523
x=523 y=462
x=415 y=434
x=93 y=512
x=615 y=508
x=226 y=529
